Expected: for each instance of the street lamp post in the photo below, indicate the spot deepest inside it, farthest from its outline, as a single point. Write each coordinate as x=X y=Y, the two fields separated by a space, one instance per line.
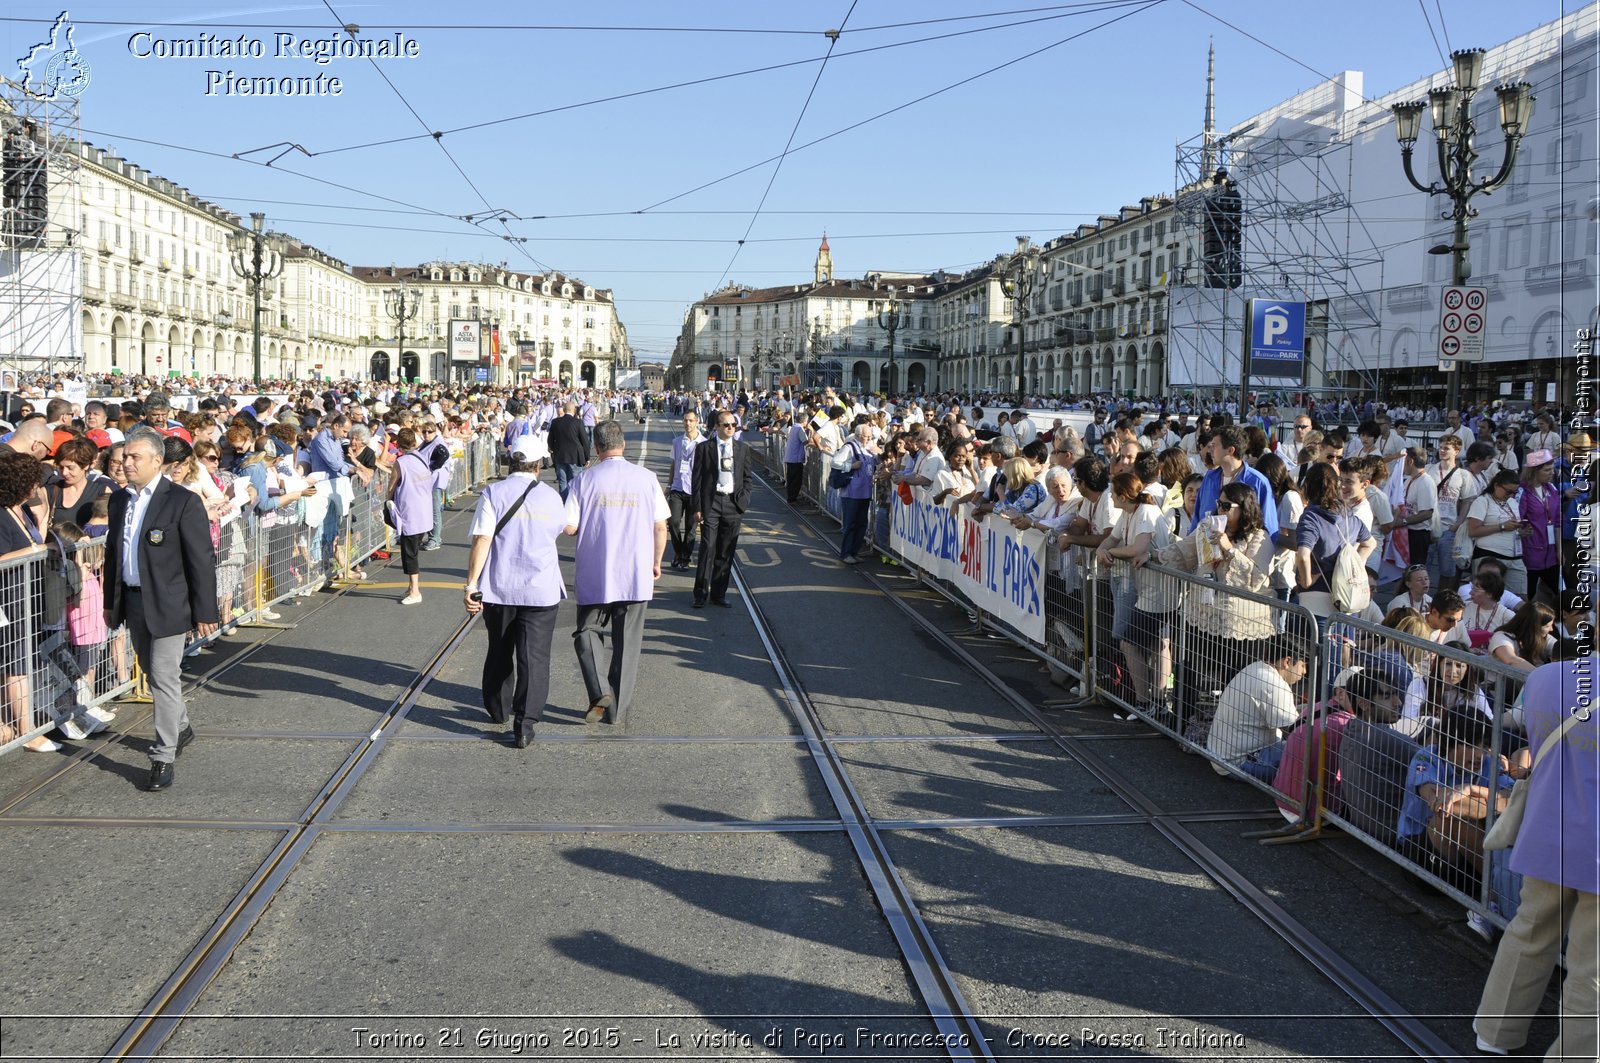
x=401 y=304
x=223 y=321
x=816 y=349
x=256 y=259
x=1455 y=132
x=892 y=319
x=1024 y=270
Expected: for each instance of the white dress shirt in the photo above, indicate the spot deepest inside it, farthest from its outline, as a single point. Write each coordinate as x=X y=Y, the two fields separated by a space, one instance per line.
x=130 y=530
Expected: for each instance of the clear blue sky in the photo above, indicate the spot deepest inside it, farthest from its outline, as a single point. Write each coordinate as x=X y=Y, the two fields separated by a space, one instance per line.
x=1054 y=138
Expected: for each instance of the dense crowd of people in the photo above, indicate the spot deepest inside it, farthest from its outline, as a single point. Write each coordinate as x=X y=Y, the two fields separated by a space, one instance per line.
x=1202 y=539
x=282 y=479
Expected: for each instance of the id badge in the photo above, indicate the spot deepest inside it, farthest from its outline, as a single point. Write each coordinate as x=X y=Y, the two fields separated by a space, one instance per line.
x=1549 y=534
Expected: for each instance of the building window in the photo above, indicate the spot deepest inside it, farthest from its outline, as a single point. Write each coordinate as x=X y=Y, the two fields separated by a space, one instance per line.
x=1514 y=255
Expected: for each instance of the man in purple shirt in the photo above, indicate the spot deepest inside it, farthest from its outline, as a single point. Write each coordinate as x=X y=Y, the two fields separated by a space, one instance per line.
x=619 y=514
x=514 y=579
x=1558 y=854
x=680 y=499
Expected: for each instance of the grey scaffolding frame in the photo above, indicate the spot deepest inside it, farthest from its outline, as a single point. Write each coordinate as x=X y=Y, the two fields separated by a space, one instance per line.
x=1299 y=238
x=41 y=232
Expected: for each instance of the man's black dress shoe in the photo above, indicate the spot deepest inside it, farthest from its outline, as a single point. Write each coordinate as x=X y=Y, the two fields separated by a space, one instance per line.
x=699 y=603
x=722 y=602
x=520 y=739
x=185 y=736
x=161 y=777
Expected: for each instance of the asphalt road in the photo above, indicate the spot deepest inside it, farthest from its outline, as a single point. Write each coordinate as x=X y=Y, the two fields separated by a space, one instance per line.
x=353 y=867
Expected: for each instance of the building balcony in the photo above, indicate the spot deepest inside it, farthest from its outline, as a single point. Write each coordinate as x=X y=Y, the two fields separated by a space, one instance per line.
x=1572 y=273
x=104 y=247
x=122 y=302
x=188 y=271
x=179 y=312
x=1411 y=297
x=164 y=265
x=1105 y=335
x=149 y=307
x=135 y=256
x=1119 y=287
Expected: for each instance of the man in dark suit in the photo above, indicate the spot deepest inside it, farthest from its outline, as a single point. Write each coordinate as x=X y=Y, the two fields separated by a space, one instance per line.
x=161 y=580
x=569 y=446
x=721 y=489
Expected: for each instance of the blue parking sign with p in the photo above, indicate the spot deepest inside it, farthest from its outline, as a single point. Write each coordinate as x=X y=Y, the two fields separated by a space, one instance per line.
x=1277 y=338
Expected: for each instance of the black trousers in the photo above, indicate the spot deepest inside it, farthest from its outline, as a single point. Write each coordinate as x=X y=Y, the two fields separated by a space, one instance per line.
x=516 y=670
x=680 y=525
x=719 y=538
x=793 y=474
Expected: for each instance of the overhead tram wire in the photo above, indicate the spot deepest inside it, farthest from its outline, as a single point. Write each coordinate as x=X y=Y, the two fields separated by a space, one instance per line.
x=1439 y=7
x=1144 y=6
x=833 y=41
x=438 y=138
x=536 y=28
x=1423 y=5
x=1091 y=8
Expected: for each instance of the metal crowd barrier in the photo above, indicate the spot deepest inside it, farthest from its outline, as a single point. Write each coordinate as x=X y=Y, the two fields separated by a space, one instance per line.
x=56 y=662
x=1345 y=751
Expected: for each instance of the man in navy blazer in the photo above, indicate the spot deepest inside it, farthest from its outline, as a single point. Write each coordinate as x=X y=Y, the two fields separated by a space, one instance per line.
x=160 y=580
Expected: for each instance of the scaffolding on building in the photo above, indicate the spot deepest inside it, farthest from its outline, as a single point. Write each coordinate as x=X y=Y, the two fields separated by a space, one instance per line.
x=1278 y=225
x=41 y=238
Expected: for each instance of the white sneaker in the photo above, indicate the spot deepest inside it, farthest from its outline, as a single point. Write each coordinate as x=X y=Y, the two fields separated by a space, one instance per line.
x=1479 y=924
x=72 y=729
x=102 y=714
x=1485 y=1046
x=411 y=599
x=42 y=745
x=268 y=614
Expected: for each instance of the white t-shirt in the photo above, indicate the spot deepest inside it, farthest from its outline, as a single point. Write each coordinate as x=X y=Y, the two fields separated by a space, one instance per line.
x=1382 y=513
x=1508 y=601
x=1421 y=494
x=1403 y=601
x=1448 y=488
x=1486 y=509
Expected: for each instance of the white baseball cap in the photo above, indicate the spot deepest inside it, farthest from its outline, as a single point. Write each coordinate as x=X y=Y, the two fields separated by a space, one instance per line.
x=534 y=446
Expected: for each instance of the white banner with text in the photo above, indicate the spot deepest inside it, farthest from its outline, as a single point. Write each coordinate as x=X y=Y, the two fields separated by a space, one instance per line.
x=998 y=567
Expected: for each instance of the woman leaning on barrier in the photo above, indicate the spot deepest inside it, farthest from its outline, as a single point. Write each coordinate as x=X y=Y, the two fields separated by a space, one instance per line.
x=1527 y=640
x=81 y=483
x=1222 y=632
x=21 y=597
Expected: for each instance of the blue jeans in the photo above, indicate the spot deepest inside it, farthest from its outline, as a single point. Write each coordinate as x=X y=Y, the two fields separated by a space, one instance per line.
x=1441 y=561
x=854 y=530
x=332 y=525
x=435 y=536
x=564 y=475
x=1263 y=763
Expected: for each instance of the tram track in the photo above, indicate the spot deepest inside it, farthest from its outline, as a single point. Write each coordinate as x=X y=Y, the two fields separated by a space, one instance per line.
x=177 y=996
x=1417 y=1037
x=193 y=684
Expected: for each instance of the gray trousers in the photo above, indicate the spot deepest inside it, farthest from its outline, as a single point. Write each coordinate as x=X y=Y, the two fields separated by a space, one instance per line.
x=162 y=662
x=626 y=620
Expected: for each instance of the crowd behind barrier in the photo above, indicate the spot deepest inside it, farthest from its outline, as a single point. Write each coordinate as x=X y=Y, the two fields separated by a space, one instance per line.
x=1371 y=719
x=62 y=667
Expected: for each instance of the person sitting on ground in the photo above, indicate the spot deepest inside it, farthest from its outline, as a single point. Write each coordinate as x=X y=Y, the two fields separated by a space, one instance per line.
x=1256 y=705
x=1359 y=692
x=1527 y=640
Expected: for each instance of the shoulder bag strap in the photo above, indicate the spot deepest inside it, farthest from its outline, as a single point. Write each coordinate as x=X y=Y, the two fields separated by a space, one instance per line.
x=1552 y=741
x=501 y=523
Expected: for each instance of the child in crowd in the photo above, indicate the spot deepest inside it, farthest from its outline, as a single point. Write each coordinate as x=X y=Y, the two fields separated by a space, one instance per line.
x=99 y=518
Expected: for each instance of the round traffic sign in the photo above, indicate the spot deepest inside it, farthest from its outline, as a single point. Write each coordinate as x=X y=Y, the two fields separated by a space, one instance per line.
x=1475 y=300
x=1452 y=322
x=1453 y=298
x=1450 y=346
x=1473 y=323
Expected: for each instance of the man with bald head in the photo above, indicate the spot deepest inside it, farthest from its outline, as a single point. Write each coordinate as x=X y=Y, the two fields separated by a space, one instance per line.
x=569 y=446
